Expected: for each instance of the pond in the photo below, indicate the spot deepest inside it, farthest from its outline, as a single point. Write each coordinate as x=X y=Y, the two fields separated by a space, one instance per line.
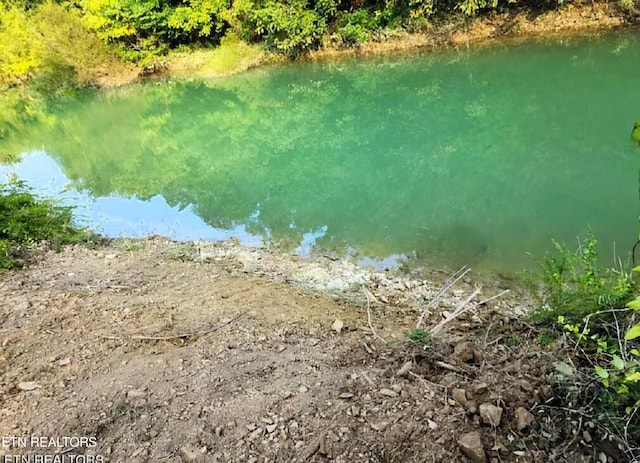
x=478 y=157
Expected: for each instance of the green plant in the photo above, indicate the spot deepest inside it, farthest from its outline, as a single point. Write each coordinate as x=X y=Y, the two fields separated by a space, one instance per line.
x=419 y=337
x=574 y=287
x=26 y=220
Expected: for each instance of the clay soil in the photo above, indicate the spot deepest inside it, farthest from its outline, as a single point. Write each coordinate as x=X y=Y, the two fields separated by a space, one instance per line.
x=161 y=351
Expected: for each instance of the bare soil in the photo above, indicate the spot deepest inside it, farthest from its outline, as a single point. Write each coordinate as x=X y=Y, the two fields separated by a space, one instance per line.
x=174 y=352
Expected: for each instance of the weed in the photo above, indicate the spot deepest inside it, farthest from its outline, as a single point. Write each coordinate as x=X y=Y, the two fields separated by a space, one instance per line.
x=419 y=338
x=573 y=286
x=27 y=220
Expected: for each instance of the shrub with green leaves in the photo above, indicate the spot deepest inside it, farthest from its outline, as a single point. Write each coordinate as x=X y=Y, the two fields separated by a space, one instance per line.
x=573 y=286
x=594 y=309
x=26 y=220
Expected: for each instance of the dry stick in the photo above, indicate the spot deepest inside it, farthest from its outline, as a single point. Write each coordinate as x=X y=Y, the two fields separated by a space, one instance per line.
x=456 y=313
x=452 y=281
x=373 y=331
x=188 y=335
x=450 y=367
x=493 y=297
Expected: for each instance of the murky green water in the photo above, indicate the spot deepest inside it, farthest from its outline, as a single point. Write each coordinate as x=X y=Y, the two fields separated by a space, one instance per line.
x=477 y=157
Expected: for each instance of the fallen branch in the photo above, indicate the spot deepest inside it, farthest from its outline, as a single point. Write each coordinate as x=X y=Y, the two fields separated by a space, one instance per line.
x=457 y=276
x=493 y=297
x=450 y=367
x=456 y=313
x=184 y=335
x=373 y=331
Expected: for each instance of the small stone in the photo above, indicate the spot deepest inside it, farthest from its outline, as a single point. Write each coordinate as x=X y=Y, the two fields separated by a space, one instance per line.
x=381 y=426
x=271 y=427
x=136 y=394
x=464 y=351
x=564 y=370
x=432 y=424
x=303 y=389
x=27 y=385
x=405 y=369
x=479 y=388
x=586 y=436
x=460 y=396
x=491 y=414
x=110 y=256
x=337 y=325
x=524 y=418
x=472 y=406
x=346 y=395
x=602 y=457
x=64 y=362
x=188 y=455
x=525 y=385
x=388 y=392
x=471 y=445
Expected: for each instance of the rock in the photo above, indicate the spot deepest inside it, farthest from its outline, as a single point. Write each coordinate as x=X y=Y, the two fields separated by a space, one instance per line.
x=136 y=394
x=381 y=426
x=564 y=370
x=472 y=406
x=525 y=385
x=491 y=414
x=27 y=385
x=524 y=418
x=271 y=427
x=388 y=392
x=405 y=369
x=464 y=351
x=303 y=389
x=188 y=455
x=346 y=395
x=432 y=424
x=65 y=361
x=460 y=396
x=479 y=388
x=337 y=284
x=471 y=445
x=337 y=325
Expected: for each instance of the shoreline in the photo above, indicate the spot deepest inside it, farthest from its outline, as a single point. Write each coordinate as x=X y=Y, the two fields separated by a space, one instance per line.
x=569 y=21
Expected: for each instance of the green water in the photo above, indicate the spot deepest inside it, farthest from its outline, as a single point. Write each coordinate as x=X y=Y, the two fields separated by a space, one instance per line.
x=451 y=158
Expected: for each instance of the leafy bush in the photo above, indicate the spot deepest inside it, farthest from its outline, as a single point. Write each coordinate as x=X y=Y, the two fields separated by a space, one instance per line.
x=594 y=308
x=26 y=220
x=573 y=286
x=287 y=26
x=354 y=28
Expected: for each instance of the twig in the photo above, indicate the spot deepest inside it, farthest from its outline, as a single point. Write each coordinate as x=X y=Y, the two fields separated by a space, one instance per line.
x=184 y=335
x=457 y=276
x=373 y=331
x=450 y=367
x=456 y=313
x=493 y=297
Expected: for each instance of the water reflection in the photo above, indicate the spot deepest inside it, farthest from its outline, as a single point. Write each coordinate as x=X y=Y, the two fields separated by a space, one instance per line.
x=471 y=158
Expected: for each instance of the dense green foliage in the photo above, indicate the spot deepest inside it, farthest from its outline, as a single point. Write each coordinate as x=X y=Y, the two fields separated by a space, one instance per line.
x=26 y=220
x=83 y=36
x=593 y=310
x=575 y=287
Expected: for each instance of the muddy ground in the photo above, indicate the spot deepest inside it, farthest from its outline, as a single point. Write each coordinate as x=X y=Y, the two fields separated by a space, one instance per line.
x=161 y=351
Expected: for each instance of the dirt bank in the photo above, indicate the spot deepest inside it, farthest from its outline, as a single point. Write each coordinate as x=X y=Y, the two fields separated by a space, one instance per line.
x=161 y=351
